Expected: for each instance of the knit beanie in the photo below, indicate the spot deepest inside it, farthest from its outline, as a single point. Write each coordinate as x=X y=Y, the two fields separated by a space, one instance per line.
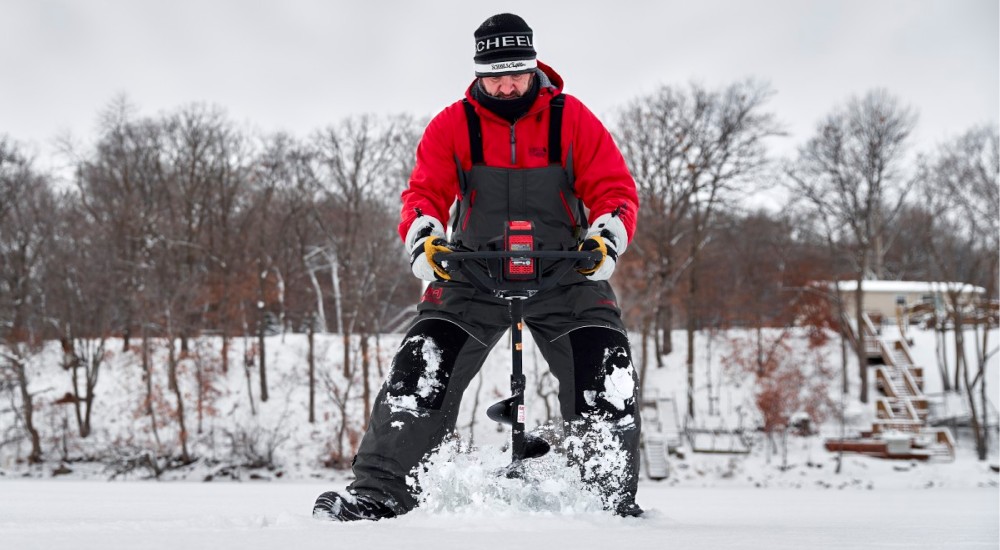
x=504 y=45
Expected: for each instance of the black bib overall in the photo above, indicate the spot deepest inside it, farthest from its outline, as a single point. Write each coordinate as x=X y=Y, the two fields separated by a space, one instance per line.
x=576 y=325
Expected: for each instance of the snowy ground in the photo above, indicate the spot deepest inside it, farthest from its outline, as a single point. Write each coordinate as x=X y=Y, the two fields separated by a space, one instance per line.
x=90 y=515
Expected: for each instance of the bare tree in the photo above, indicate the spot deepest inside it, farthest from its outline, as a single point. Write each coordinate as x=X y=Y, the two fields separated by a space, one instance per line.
x=960 y=188
x=26 y=231
x=120 y=190
x=852 y=171
x=688 y=150
x=205 y=163
x=362 y=165
x=285 y=167
x=79 y=294
x=121 y=193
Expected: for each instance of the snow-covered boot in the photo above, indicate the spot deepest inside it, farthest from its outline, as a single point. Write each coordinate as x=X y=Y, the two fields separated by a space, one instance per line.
x=629 y=509
x=349 y=507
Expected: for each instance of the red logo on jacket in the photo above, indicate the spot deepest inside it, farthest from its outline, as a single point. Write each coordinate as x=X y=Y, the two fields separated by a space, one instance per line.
x=432 y=295
x=538 y=152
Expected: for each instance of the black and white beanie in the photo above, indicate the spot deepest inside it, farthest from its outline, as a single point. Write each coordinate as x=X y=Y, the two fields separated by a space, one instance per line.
x=504 y=45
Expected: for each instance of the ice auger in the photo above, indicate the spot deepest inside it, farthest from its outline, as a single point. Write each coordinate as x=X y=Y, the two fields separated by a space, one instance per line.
x=515 y=273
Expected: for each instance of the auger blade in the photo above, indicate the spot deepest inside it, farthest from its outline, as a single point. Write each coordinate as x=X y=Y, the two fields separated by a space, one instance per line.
x=503 y=411
x=534 y=447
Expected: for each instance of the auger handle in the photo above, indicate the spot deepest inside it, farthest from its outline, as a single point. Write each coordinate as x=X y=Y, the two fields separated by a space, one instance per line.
x=482 y=277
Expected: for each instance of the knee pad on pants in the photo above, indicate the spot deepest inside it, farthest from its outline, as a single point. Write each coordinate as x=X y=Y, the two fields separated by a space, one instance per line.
x=423 y=365
x=606 y=382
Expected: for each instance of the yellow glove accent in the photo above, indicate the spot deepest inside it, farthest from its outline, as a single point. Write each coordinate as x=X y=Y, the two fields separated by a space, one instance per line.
x=432 y=247
x=594 y=243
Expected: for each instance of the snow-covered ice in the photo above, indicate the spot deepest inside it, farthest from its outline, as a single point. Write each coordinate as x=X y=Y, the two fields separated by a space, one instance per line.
x=81 y=515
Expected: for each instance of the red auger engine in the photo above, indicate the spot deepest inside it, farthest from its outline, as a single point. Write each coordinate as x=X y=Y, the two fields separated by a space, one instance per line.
x=519 y=237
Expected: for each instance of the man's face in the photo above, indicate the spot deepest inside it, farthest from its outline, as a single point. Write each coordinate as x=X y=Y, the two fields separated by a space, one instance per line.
x=507 y=86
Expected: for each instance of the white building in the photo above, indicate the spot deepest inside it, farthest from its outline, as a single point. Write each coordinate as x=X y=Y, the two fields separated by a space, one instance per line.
x=883 y=298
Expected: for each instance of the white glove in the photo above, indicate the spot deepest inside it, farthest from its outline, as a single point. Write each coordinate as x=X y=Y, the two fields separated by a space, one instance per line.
x=425 y=238
x=607 y=235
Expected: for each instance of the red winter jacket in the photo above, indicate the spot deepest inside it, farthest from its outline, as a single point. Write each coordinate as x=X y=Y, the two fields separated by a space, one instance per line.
x=602 y=180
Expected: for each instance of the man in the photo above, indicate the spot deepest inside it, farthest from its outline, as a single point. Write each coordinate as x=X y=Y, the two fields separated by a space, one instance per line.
x=515 y=148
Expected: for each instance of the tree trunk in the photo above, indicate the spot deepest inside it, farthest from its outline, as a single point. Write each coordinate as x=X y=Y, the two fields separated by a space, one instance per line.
x=877 y=255
x=200 y=405
x=366 y=385
x=668 y=335
x=859 y=318
x=28 y=408
x=843 y=363
x=335 y=282
x=708 y=374
x=92 y=371
x=346 y=340
x=971 y=396
x=224 y=322
x=842 y=317
x=983 y=358
x=225 y=351
x=248 y=362
x=89 y=405
x=939 y=353
x=960 y=365
x=843 y=386
x=378 y=353
x=690 y=362
x=179 y=396
x=311 y=332
x=320 y=311
x=74 y=367
x=656 y=338
x=127 y=331
x=148 y=373
x=643 y=360
x=261 y=359
x=983 y=401
x=692 y=326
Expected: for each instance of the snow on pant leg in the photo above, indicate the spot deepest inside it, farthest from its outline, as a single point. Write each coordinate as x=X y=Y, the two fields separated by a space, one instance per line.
x=598 y=396
x=416 y=408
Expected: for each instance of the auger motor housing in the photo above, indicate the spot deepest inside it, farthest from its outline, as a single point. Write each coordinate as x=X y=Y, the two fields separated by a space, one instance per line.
x=519 y=237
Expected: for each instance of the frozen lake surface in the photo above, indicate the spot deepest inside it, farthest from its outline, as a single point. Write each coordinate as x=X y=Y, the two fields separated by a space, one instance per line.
x=80 y=515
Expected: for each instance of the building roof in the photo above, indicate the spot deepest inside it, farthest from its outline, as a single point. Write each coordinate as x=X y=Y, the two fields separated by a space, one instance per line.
x=911 y=287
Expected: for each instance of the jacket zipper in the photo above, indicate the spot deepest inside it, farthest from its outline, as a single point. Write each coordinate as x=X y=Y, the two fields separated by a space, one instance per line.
x=513 y=144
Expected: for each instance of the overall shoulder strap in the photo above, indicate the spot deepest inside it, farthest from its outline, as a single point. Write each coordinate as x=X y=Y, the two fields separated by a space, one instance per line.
x=555 y=129
x=475 y=132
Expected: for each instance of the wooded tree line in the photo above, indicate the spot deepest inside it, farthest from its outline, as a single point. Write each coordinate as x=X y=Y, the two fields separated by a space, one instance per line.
x=185 y=224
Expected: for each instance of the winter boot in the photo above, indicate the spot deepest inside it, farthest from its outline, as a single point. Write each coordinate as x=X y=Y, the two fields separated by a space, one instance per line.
x=349 y=507
x=629 y=510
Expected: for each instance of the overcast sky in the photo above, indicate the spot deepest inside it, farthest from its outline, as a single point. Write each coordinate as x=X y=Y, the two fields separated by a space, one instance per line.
x=298 y=65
